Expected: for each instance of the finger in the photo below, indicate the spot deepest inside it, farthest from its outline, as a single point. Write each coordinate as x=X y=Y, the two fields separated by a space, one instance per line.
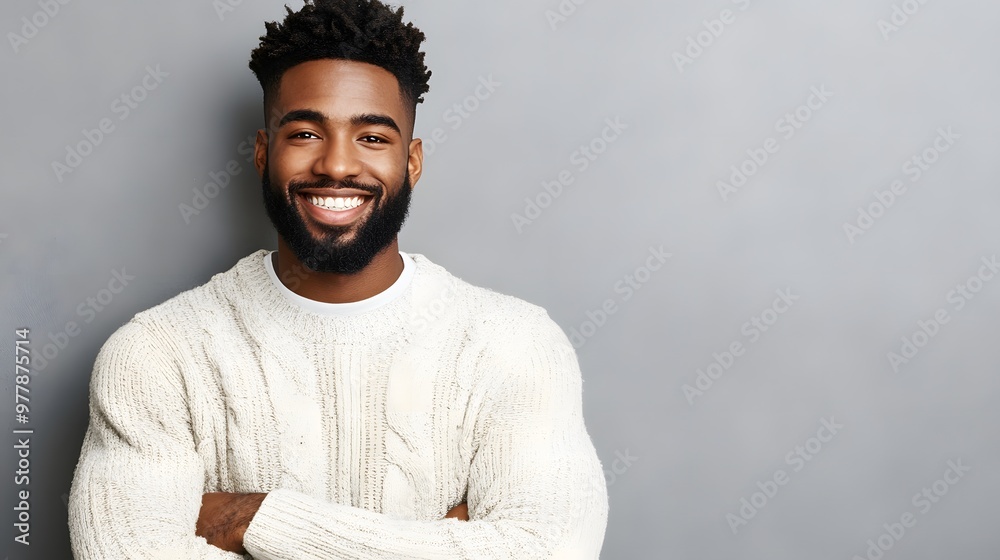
x=460 y=512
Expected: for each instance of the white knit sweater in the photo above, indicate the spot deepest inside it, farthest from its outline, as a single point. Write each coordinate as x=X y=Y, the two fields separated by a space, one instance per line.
x=363 y=429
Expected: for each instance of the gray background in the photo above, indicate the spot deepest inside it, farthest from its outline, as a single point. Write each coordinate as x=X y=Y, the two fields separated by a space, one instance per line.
x=691 y=462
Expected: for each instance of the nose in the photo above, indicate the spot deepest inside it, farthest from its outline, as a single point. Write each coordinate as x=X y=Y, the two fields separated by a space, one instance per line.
x=338 y=159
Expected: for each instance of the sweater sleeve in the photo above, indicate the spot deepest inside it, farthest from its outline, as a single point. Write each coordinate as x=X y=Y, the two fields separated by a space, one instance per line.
x=536 y=488
x=138 y=486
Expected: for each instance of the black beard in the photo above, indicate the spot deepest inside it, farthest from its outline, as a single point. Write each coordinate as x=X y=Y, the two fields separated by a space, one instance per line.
x=327 y=253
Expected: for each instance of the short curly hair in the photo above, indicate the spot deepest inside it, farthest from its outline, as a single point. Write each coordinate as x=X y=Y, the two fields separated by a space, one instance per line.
x=359 y=30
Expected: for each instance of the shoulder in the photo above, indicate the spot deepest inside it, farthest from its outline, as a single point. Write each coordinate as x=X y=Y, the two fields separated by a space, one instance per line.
x=515 y=343
x=148 y=348
x=488 y=314
x=219 y=294
x=166 y=325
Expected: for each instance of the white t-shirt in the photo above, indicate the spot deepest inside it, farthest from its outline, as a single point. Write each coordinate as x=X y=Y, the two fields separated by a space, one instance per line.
x=351 y=308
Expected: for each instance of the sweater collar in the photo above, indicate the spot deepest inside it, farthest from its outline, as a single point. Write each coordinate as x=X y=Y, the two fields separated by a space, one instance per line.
x=264 y=307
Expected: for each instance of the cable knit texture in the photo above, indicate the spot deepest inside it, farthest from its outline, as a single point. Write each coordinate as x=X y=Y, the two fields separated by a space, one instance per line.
x=363 y=429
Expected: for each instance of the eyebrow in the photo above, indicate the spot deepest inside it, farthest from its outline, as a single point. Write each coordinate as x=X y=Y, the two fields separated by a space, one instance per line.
x=311 y=115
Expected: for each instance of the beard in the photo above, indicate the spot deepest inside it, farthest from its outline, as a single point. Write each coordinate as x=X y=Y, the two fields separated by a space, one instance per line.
x=327 y=252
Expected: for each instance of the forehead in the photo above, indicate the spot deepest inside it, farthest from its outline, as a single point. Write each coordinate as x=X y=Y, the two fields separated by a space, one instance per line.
x=340 y=89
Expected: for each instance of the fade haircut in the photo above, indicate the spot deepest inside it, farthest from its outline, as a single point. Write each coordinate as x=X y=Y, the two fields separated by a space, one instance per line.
x=359 y=30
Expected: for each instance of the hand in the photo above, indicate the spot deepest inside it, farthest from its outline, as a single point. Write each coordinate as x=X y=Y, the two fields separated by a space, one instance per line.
x=460 y=512
x=224 y=518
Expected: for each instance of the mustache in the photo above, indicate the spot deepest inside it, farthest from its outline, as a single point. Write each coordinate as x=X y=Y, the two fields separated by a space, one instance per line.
x=327 y=183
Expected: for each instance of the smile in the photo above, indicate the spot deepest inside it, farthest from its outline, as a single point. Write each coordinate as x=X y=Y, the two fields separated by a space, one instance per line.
x=336 y=203
x=335 y=210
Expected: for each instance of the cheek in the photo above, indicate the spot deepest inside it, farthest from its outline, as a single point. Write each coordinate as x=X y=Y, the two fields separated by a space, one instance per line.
x=284 y=167
x=390 y=171
x=285 y=163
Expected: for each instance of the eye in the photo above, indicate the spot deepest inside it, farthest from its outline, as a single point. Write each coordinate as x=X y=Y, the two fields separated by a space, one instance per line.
x=374 y=139
x=303 y=134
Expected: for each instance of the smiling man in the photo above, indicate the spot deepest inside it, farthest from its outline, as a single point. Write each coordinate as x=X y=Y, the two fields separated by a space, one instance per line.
x=338 y=398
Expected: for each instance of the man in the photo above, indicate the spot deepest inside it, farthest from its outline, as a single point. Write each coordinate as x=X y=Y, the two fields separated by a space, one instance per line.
x=338 y=398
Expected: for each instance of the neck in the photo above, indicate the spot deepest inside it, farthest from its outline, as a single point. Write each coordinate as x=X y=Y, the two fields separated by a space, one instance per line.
x=332 y=287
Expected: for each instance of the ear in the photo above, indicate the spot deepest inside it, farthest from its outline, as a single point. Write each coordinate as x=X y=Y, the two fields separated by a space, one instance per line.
x=260 y=152
x=415 y=161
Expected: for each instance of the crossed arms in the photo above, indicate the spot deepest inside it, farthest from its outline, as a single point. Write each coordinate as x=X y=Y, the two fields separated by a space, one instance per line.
x=225 y=517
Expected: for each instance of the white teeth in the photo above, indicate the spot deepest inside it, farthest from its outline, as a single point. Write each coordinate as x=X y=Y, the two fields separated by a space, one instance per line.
x=338 y=203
